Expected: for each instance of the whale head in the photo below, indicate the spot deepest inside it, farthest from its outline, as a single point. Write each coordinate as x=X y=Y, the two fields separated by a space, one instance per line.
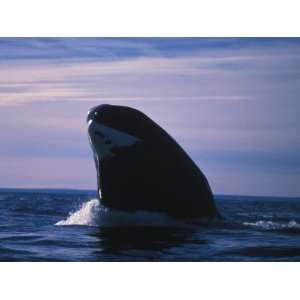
x=141 y=167
x=109 y=130
x=114 y=131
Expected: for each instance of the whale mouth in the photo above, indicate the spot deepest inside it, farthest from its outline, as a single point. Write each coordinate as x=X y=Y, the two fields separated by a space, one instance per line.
x=104 y=139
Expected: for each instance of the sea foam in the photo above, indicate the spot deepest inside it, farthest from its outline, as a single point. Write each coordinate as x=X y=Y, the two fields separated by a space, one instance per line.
x=269 y=225
x=87 y=214
x=92 y=213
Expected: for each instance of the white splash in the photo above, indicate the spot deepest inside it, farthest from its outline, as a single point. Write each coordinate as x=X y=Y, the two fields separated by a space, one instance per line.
x=273 y=225
x=87 y=214
x=92 y=213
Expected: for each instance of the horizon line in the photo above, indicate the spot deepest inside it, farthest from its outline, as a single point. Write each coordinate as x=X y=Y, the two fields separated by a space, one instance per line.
x=95 y=190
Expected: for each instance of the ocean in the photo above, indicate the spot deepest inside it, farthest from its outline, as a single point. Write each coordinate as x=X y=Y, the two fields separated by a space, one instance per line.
x=71 y=225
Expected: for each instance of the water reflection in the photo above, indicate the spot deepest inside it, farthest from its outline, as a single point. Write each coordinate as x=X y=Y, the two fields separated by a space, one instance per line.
x=141 y=243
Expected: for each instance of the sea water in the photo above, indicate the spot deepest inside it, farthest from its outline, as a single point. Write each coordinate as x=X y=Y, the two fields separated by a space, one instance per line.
x=69 y=225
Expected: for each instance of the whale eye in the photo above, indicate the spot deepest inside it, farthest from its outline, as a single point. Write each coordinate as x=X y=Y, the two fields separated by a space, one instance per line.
x=100 y=134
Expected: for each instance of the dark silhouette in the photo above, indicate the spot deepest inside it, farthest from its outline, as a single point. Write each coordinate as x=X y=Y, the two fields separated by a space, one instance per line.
x=141 y=167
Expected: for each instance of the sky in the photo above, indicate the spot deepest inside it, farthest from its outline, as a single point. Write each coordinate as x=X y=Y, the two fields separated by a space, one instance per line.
x=232 y=103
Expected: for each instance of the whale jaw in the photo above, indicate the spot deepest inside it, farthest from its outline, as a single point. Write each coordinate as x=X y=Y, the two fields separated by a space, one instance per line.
x=106 y=142
x=104 y=139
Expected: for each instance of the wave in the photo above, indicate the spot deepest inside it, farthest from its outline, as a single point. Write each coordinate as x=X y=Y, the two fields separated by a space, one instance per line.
x=92 y=213
x=291 y=226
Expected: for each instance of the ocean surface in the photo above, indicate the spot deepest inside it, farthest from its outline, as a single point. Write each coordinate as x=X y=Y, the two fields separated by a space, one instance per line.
x=55 y=225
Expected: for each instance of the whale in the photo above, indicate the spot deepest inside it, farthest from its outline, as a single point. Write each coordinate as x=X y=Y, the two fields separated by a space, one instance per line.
x=141 y=167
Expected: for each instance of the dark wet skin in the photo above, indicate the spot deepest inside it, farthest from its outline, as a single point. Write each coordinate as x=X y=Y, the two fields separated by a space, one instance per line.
x=155 y=174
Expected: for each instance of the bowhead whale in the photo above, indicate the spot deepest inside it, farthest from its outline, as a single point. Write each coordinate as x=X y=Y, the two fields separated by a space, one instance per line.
x=141 y=167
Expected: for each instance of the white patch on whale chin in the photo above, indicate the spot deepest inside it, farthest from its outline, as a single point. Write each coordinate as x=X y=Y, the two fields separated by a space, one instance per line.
x=115 y=137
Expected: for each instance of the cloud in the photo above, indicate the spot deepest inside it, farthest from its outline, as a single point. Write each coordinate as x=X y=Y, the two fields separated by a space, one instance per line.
x=210 y=75
x=231 y=103
x=24 y=82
